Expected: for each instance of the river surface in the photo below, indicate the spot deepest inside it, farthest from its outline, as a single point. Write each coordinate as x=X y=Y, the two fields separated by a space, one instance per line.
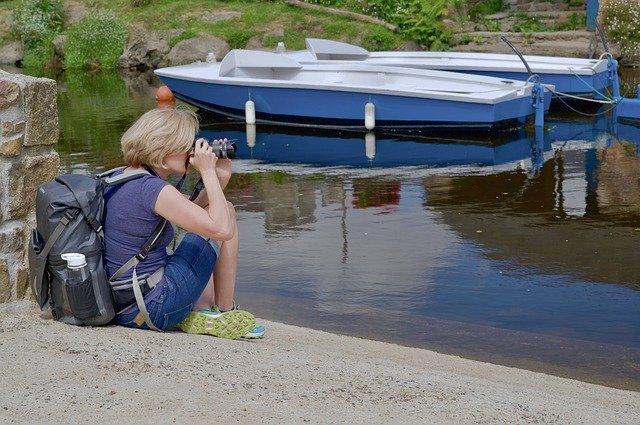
x=519 y=248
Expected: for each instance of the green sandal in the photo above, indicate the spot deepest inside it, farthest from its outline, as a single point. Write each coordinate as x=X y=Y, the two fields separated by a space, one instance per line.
x=232 y=324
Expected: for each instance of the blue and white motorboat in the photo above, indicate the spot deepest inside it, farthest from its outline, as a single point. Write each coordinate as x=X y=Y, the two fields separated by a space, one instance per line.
x=267 y=87
x=570 y=76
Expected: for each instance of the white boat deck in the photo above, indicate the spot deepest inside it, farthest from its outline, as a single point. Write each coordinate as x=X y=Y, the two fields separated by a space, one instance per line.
x=322 y=51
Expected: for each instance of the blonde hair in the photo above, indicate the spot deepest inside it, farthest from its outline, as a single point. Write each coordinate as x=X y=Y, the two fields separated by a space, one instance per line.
x=157 y=134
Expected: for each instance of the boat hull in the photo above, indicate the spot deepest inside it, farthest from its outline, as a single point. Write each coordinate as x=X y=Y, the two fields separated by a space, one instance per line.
x=316 y=107
x=590 y=86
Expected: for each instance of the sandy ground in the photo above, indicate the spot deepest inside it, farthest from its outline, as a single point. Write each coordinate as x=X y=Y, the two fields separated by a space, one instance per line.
x=56 y=373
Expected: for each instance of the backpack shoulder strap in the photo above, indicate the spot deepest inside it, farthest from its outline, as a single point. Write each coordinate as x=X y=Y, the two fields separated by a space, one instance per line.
x=121 y=178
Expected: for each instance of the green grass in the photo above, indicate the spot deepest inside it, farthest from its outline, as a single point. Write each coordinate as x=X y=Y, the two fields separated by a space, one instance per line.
x=262 y=18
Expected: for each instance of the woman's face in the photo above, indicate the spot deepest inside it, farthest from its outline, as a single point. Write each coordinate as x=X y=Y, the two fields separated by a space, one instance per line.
x=176 y=163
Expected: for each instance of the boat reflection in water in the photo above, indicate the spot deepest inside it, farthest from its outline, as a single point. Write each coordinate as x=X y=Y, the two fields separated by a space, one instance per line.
x=322 y=148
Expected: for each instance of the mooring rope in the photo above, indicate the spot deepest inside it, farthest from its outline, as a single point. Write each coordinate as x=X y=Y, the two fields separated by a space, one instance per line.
x=593 y=89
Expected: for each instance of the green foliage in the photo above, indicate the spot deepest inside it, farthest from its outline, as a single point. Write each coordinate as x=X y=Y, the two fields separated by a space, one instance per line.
x=96 y=41
x=576 y=21
x=35 y=20
x=422 y=21
x=39 y=55
x=575 y=3
x=140 y=3
x=491 y=25
x=238 y=38
x=387 y=10
x=620 y=19
x=487 y=7
x=527 y=24
x=379 y=39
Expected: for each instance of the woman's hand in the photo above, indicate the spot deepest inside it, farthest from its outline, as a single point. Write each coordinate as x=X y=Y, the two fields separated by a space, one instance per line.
x=203 y=159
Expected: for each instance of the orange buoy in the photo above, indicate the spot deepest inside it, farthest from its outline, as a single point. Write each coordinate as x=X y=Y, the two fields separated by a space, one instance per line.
x=163 y=94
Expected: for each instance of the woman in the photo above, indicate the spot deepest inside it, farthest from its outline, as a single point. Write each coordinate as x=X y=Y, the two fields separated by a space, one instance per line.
x=196 y=288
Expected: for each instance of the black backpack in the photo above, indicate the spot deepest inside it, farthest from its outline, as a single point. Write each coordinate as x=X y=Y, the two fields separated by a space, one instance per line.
x=69 y=213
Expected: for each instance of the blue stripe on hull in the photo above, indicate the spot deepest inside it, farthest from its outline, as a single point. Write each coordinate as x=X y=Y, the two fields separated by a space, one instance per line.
x=332 y=107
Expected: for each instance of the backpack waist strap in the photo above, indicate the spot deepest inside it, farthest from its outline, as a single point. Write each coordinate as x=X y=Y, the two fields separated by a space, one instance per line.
x=150 y=280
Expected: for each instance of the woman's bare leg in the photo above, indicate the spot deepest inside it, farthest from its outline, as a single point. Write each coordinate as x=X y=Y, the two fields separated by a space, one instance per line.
x=221 y=286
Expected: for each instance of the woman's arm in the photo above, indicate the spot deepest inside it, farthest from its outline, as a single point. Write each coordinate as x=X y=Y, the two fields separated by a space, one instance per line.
x=217 y=220
x=223 y=171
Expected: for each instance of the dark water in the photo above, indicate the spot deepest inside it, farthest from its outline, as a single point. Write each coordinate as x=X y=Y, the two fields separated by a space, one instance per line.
x=517 y=248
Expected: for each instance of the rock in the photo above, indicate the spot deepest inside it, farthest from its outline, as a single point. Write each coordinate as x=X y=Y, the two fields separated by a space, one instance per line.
x=254 y=43
x=195 y=49
x=5 y=287
x=22 y=283
x=144 y=49
x=410 y=46
x=75 y=11
x=20 y=199
x=58 y=44
x=13 y=235
x=9 y=92
x=224 y=15
x=11 y=53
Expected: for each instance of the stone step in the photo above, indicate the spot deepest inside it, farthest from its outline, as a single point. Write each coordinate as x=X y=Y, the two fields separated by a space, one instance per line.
x=543 y=6
x=564 y=43
x=557 y=15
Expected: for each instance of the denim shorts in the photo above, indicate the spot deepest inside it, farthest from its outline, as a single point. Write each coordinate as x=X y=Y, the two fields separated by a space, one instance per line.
x=185 y=276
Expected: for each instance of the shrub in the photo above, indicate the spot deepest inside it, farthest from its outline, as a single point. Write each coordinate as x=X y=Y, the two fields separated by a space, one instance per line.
x=39 y=55
x=620 y=19
x=487 y=7
x=422 y=21
x=36 y=20
x=97 y=40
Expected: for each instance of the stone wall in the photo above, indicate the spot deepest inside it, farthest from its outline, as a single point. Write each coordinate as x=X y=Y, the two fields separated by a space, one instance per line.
x=29 y=128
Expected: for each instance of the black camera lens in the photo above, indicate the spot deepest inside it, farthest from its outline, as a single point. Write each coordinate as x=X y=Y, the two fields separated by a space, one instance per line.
x=224 y=149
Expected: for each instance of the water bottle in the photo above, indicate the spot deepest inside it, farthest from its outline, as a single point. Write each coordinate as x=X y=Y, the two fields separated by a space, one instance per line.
x=79 y=287
x=77 y=270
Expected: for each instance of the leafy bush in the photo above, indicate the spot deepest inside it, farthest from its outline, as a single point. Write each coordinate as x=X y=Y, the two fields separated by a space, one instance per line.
x=97 y=40
x=620 y=19
x=528 y=24
x=487 y=7
x=387 y=10
x=422 y=21
x=36 y=20
x=379 y=39
x=39 y=55
x=238 y=38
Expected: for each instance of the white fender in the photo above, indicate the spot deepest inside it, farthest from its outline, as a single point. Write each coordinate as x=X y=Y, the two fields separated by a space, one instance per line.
x=250 y=112
x=369 y=116
x=251 y=135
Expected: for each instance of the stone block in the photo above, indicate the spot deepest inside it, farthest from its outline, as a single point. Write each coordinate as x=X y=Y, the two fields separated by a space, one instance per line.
x=5 y=286
x=12 y=146
x=9 y=92
x=12 y=127
x=22 y=283
x=13 y=237
x=41 y=112
x=24 y=177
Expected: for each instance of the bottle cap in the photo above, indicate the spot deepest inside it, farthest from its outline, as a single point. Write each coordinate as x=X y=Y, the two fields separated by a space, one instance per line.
x=74 y=259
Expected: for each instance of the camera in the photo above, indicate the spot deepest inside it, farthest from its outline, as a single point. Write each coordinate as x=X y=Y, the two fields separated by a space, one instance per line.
x=222 y=149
